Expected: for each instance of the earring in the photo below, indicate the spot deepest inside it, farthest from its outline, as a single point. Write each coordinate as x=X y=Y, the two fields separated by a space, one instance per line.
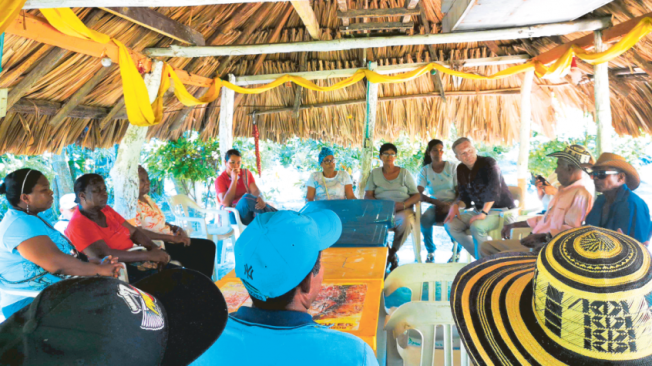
x=27 y=208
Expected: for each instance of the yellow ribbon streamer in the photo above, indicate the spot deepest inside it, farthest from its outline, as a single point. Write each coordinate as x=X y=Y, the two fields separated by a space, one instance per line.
x=9 y=12
x=142 y=113
x=136 y=97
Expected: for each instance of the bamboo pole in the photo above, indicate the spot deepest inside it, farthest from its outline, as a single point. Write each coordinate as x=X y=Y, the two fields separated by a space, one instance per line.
x=226 y=118
x=357 y=43
x=525 y=132
x=370 y=126
x=602 y=102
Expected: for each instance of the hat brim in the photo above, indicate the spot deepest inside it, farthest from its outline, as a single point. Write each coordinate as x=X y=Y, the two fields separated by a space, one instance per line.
x=633 y=179
x=196 y=312
x=569 y=157
x=492 y=303
x=330 y=227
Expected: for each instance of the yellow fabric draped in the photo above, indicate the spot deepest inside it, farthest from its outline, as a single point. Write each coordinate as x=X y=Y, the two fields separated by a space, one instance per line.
x=139 y=109
x=9 y=12
x=142 y=113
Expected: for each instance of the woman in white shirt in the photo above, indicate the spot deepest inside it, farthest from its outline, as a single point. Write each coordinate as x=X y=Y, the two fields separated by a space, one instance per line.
x=438 y=186
x=329 y=184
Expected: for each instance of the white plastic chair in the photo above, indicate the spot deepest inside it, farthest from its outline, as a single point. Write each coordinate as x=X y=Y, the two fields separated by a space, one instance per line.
x=413 y=276
x=425 y=317
x=218 y=234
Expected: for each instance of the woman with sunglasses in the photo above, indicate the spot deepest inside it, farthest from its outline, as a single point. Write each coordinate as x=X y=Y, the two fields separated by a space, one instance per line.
x=391 y=182
x=329 y=184
x=33 y=255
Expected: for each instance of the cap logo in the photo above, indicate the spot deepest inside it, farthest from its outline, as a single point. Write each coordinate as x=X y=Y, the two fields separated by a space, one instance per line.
x=249 y=272
x=139 y=301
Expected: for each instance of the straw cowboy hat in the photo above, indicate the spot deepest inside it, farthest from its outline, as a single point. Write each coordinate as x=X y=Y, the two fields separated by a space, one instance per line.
x=577 y=154
x=609 y=160
x=585 y=300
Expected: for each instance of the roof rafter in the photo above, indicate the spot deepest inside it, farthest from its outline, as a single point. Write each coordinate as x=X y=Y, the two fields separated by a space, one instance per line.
x=35 y=29
x=308 y=17
x=159 y=23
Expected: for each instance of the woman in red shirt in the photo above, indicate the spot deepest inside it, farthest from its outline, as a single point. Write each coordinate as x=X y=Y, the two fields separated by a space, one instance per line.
x=98 y=231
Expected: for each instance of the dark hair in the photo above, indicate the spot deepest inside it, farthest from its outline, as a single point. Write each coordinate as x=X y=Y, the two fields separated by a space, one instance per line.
x=82 y=182
x=431 y=145
x=280 y=302
x=13 y=184
x=460 y=141
x=228 y=154
x=388 y=146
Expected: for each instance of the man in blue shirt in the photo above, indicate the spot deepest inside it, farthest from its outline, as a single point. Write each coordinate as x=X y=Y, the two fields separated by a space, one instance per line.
x=278 y=260
x=618 y=207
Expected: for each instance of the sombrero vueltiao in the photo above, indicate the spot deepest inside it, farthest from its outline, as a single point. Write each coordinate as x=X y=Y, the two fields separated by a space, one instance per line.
x=576 y=154
x=585 y=300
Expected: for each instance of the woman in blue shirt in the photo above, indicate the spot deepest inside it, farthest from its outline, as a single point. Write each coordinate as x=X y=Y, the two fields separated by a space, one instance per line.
x=33 y=255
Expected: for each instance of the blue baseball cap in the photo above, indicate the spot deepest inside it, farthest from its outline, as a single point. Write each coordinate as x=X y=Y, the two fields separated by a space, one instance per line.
x=278 y=249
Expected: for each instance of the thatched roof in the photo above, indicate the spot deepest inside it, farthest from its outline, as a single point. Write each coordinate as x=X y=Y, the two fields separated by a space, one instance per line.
x=493 y=119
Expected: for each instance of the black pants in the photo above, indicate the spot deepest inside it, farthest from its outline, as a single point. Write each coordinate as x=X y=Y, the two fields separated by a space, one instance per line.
x=199 y=255
x=136 y=274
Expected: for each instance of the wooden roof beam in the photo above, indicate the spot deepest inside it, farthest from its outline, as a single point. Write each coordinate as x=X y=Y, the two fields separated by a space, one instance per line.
x=609 y=35
x=44 y=4
x=371 y=42
x=378 y=26
x=49 y=108
x=159 y=23
x=43 y=65
x=35 y=29
x=377 y=13
x=342 y=8
x=410 y=4
x=308 y=17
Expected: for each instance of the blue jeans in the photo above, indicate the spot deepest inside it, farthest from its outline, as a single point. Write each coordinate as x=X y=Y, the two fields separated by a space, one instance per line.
x=247 y=209
x=8 y=311
x=428 y=220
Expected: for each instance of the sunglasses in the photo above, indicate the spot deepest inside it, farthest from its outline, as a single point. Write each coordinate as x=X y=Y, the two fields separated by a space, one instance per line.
x=602 y=174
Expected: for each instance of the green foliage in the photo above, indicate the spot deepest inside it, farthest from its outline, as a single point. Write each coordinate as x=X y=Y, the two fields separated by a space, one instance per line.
x=304 y=155
x=188 y=160
x=409 y=154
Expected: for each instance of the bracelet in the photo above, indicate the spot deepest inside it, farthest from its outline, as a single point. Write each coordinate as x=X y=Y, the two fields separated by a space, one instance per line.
x=487 y=214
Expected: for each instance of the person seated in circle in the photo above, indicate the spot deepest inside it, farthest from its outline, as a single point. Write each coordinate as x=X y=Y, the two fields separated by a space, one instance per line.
x=236 y=187
x=98 y=231
x=33 y=255
x=197 y=254
x=329 y=184
x=67 y=206
x=438 y=187
x=394 y=183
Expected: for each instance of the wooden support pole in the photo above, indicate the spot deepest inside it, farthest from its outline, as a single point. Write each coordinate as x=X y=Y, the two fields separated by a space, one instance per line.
x=125 y=170
x=307 y=15
x=159 y=23
x=299 y=89
x=80 y=94
x=525 y=132
x=369 y=129
x=226 y=118
x=36 y=29
x=356 y=43
x=602 y=102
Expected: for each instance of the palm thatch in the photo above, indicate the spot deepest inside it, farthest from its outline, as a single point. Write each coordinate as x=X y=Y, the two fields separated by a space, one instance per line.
x=489 y=118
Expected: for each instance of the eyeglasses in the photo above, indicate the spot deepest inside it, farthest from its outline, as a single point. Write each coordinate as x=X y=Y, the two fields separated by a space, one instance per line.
x=388 y=155
x=602 y=174
x=328 y=161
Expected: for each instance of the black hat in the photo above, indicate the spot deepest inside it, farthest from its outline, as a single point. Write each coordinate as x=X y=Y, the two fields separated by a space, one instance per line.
x=170 y=318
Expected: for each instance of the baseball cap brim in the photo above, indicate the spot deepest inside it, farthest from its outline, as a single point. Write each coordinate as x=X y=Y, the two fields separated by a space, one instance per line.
x=196 y=312
x=330 y=227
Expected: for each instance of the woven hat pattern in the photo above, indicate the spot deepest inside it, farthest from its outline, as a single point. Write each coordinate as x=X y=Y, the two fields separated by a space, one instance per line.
x=586 y=299
x=577 y=154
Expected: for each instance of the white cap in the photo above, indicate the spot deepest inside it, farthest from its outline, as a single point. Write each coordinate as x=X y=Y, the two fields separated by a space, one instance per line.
x=67 y=201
